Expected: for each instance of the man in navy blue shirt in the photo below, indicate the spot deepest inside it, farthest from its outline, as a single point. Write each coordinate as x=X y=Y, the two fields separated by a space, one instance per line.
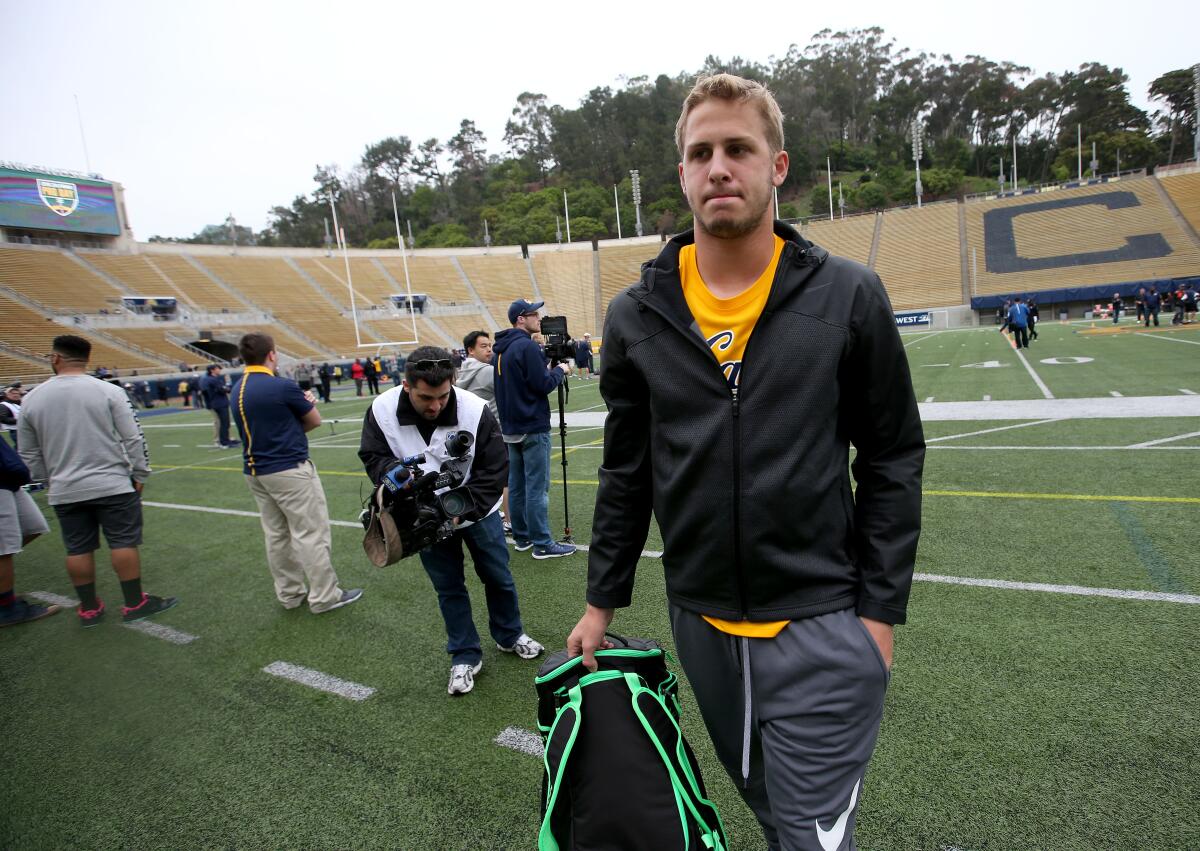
x=522 y=384
x=273 y=414
x=1153 y=305
x=216 y=399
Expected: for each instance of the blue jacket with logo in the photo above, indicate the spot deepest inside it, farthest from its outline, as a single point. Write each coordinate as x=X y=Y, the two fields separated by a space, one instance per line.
x=1018 y=316
x=523 y=381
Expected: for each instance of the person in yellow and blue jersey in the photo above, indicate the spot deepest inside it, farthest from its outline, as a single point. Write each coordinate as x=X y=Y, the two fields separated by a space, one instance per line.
x=273 y=416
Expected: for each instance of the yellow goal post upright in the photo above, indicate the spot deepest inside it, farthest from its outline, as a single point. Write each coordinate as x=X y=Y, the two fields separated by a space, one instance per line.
x=412 y=314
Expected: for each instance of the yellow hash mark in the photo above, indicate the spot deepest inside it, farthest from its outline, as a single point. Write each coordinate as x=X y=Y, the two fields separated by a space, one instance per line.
x=1082 y=497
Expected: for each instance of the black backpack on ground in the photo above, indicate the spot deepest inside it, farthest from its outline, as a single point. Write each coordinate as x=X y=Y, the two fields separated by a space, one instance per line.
x=619 y=774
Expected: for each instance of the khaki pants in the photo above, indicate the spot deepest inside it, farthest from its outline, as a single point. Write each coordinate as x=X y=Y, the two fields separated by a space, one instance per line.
x=295 y=521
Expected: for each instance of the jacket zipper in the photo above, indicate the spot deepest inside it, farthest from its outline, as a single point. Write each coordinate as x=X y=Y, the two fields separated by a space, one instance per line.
x=738 y=571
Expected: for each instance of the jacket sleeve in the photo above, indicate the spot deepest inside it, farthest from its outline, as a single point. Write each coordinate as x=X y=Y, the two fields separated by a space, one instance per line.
x=130 y=434
x=31 y=448
x=883 y=423
x=13 y=472
x=373 y=449
x=541 y=378
x=624 y=500
x=489 y=469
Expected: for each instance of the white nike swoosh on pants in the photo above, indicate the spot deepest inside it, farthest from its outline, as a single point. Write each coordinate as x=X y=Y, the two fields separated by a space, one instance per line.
x=831 y=839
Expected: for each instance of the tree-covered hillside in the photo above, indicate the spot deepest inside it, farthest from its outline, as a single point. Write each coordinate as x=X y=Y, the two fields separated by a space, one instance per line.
x=851 y=97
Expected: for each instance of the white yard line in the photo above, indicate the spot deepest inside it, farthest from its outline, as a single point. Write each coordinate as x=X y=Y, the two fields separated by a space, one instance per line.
x=232 y=512
x=1116 y=394
x=522 y=741
x=1077 y=590
x=53 y=599
x=1187 y=392
x=988 y=430
x=157 y=630
x=162 y=631
x=926 y=337
x=1164 y=440
x=1152 y=336
x=1036 y=378
x=318 y=680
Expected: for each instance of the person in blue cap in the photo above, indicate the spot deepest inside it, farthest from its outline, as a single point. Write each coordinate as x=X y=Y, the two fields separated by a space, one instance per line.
x=523 y=383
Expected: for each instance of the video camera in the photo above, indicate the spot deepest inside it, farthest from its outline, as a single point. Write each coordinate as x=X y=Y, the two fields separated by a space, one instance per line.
x=424 y=512
x=559 y=345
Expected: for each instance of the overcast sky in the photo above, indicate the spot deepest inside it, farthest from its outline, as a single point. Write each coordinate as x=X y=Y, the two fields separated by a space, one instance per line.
x=206 y=109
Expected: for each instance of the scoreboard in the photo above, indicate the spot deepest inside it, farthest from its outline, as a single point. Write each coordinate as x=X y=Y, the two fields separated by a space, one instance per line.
x=45 y=201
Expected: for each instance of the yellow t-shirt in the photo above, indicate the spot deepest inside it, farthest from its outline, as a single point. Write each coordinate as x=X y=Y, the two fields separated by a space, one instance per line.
x=727 y=324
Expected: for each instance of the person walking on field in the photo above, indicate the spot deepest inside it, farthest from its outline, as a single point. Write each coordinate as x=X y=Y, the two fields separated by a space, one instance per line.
x=1018 y=321
x=357 y=373
x=783 y=581
x=1117 y=306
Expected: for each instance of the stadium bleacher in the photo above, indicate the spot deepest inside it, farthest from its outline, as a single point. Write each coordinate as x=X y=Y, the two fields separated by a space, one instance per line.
x=1094 y=235
x=845 y=237
x=1114 y=232
x=51 y=278
x=918 y=256
x=566 y=281
x=1184 y=190
x=32 y=332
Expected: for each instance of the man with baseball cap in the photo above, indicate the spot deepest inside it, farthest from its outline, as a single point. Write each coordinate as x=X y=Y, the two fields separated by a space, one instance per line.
x=523 y=382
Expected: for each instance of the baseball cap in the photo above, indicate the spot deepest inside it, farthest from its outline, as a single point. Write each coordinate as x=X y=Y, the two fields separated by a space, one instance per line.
x=520 y=307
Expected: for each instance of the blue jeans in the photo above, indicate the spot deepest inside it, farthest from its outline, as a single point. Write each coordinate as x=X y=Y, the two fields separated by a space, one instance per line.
x=529 y=489
x=444 y=563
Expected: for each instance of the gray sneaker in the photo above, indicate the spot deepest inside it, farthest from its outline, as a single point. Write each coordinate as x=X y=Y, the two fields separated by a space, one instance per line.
x=462 y=678
x=555 y=550
x=525 y=647
x=348 y=597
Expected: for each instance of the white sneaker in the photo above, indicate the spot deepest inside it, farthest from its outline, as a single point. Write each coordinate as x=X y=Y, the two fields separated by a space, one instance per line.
x=462 y=678
x=525 y=647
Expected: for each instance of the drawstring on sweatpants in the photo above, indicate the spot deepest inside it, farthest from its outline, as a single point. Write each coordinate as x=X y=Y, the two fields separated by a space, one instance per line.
x=746 y=721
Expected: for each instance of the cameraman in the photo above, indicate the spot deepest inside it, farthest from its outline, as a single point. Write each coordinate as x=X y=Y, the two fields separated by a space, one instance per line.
x=416 y=419
x=522 y=383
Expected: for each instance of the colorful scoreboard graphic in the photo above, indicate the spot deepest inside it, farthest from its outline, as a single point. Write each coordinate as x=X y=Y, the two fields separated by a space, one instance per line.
x=53 y=202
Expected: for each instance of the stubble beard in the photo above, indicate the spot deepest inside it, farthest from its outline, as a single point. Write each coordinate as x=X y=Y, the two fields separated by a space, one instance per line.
x=737 y=227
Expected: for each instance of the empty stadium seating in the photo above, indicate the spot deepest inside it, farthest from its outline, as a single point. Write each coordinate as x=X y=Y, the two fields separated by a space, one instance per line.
x=1184 y=190
x=274 y=286
x=1109 y=233
x=196 y=287
x=845 y=237
x=1104 y=234
x=620 y=266
x=29 y=330
x=567 y=283
x=51 y=278
x=918 y=257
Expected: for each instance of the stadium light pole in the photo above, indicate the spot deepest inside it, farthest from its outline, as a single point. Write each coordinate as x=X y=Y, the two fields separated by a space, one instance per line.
x=1094 y=165
x=1196 y=101
x=1002 y=175
x=487 y=236
x=841 y=202
x=829 y=177
x=558 y=230
x=636 y=177
x=1079 y=149
x=567 y=215
x=1014 y=168
x=917 y=150
x=617 y=204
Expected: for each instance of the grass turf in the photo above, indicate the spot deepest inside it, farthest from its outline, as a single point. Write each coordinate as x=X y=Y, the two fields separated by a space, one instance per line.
x=1014 y=720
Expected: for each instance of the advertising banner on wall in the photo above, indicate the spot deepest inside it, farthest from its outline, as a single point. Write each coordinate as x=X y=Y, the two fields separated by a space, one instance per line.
x=913 y=317
x=38 y=201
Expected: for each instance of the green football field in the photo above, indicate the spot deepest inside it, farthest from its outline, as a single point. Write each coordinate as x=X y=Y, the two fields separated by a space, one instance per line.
x=1045 y=694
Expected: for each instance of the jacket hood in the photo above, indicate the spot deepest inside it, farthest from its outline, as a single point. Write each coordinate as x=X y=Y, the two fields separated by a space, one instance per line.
x=505 y=338
x=470 y=366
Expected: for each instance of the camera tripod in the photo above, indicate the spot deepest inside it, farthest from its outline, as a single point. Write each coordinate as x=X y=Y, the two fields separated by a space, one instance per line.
x=564 y=394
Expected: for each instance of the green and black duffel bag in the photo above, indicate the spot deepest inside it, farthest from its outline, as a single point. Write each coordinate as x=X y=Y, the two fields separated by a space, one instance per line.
x=619 y=774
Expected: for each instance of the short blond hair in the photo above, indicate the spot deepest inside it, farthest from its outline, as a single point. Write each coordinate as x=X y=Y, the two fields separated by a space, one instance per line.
x=734 y=88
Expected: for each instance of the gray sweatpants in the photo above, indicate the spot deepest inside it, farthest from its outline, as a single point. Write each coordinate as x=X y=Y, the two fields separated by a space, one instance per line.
x=798 y=757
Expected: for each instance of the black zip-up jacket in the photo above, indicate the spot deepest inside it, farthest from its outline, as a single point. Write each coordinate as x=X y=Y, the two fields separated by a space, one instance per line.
x=489 y=469
x=751 y=488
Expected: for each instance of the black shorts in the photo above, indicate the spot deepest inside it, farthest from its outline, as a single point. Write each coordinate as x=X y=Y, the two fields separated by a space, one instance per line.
x=120 y=517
